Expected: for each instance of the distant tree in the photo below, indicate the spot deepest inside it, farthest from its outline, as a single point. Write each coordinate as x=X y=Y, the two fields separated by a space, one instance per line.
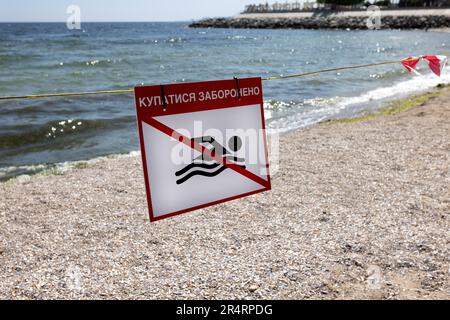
x=411 y=3
x=423 y=3
x=341 y=2
x=382 y=3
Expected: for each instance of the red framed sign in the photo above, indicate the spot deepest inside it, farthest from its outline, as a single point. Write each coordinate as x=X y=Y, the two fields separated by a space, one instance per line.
x=202 y=143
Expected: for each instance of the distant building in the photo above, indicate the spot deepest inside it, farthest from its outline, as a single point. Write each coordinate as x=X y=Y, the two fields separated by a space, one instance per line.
x=279 y=7
x=298 y=6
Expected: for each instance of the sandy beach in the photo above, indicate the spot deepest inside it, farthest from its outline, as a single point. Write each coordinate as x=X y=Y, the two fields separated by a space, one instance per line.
x=359 y=209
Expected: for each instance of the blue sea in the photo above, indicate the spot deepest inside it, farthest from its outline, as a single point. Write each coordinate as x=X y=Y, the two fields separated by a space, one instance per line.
x=47 y=58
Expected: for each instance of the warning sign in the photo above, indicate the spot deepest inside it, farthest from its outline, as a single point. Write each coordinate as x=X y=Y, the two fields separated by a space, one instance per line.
x=202 y=143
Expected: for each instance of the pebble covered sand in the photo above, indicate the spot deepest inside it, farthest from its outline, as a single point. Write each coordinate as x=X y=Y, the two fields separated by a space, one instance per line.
x=357 y=210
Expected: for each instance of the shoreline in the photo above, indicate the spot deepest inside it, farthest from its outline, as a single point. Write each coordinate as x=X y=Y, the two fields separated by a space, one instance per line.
x=323 y=19
x=357 y=210
x=447 y=30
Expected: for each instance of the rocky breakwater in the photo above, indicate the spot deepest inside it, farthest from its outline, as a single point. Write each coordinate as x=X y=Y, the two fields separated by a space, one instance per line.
x=390 y=19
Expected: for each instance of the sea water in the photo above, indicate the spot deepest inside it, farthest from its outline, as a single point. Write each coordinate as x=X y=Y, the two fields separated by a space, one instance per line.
x=47 y=58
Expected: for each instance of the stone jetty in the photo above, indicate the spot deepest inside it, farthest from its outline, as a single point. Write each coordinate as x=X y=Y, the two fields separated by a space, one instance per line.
x=326 y=19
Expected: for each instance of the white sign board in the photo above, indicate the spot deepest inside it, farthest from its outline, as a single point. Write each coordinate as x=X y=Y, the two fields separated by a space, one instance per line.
x=202 y=143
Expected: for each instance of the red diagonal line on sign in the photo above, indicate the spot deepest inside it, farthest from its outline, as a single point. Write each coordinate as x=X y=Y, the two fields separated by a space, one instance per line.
x=195 y=145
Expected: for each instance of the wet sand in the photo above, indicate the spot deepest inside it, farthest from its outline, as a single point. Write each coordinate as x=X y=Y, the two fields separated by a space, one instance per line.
x=357 y=210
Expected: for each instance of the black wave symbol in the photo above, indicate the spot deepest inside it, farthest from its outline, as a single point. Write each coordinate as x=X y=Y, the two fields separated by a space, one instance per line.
x=205 y=165
x=196 y=165
x=203 y=173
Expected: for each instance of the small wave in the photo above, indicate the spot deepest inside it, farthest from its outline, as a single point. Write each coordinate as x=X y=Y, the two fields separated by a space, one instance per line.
x=314 y=110
x=7 y=173
x=387 y=74
x=237 y=37
x=403 y=88
x=74 y=34
x=175 y=40
x=7 y=59
x=89 y=63
x=275 y=104
x=55 y=129
x=14 y=171
x=241 y=37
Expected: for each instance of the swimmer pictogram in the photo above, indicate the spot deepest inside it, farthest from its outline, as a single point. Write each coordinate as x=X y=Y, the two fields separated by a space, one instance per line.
x=205 y=166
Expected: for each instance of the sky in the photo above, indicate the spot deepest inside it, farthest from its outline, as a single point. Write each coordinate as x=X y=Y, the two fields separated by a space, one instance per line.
x=119 y=10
